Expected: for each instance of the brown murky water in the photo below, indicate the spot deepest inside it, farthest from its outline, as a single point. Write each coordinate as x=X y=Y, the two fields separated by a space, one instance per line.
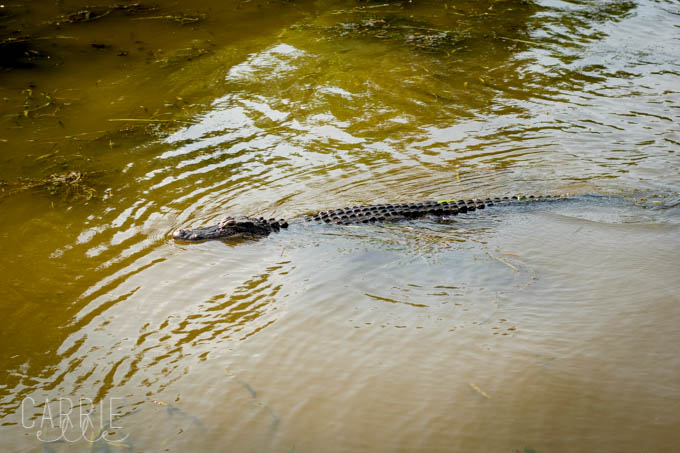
x=549 y=327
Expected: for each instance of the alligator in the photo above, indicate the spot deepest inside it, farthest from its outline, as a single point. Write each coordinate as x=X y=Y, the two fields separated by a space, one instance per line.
x=241 y=226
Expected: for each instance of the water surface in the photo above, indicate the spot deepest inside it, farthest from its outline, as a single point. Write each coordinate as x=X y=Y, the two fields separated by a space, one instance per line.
x=542 y=327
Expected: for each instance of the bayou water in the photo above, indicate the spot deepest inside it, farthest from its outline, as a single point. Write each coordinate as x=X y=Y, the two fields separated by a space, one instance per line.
x=549 y=327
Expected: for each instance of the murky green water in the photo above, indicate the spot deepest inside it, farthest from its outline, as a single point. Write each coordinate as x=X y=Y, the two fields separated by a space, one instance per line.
x=549 y=327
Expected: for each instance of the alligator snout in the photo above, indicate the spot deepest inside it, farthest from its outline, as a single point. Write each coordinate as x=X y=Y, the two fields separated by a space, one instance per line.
x=184 y=235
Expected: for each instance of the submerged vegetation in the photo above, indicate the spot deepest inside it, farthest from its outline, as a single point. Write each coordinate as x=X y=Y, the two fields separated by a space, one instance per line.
x=38 y=44
x=394 y=28
x=25 y=44
x=68 y=186
x=444 y=32
x=98 y=12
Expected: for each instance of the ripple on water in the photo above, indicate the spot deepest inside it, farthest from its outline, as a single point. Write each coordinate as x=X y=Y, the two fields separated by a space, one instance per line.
x=502 y=329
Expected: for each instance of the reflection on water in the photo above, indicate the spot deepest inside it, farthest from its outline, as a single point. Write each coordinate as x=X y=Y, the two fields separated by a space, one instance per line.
x=541 y=327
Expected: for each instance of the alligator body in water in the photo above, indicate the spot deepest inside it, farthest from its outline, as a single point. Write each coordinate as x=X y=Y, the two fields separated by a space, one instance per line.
x=242 y=226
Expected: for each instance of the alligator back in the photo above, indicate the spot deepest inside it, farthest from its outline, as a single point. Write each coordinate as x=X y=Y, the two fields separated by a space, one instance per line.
x=395 y=212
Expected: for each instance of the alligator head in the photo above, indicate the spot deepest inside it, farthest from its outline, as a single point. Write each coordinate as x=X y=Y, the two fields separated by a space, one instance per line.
x=231 y=227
